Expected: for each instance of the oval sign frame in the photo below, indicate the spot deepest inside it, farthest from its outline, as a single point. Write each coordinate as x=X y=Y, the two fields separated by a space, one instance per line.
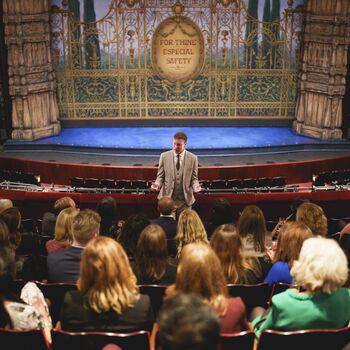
x=168 y=32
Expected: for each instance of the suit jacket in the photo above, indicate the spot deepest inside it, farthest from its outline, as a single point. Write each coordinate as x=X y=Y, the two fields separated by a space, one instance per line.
x=64 y=265
x=168 y=224
x=166 y=175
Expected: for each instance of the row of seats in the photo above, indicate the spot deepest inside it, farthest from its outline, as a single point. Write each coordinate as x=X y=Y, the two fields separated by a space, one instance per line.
x=336 y=177
x=18 y=176
x=109 y=183
x=277 y=181
x=252 y=295
x=320 y=339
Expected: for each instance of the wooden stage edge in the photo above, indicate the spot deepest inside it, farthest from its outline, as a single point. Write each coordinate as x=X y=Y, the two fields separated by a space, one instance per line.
x=274 y=205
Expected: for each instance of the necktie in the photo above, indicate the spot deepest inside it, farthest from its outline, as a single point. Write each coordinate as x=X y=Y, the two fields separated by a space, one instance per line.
x=178 y=162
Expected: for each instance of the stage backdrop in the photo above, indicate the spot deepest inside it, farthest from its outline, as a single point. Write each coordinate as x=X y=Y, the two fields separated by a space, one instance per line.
x=139 y=59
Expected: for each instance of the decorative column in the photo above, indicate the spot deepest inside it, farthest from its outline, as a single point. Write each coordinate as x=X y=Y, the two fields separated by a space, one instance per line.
x=323 y=69
x=31 y=77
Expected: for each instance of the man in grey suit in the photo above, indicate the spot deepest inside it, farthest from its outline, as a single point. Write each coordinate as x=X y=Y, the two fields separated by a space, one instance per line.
x=177 y=175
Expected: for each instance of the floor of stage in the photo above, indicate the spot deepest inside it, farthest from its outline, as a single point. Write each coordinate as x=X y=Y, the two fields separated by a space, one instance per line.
x=142 y=146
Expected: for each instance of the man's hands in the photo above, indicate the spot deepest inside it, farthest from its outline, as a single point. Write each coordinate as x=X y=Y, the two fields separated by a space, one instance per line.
x=198 y=188
x=154 y=187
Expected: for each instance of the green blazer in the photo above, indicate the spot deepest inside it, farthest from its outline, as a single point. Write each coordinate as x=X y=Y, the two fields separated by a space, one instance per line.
x=291 y=311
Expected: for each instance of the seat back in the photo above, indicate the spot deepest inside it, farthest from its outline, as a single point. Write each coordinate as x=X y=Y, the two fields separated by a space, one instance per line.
x=241 y=340
x=24 y=340
x=279 y=287
x=156 y=294
x=252 y=295
x=97 y=340
x=55 y=293
x=320 y=339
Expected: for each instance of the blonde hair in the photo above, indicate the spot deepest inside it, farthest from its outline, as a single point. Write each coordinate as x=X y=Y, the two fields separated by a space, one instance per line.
x=290 y=240
x=200 y=272
x=190 y=229
x=227 y=244
x=313 y=216
x=322 y=266
x=64 y=224
x=85 y=224
x=106 y=277
x=5 y=204
x=252 y=221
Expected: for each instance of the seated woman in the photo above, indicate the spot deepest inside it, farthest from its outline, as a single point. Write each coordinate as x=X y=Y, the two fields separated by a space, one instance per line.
x=27 y=311
x=152 y=264
x=313 y=217
x=289 y=243
x=227 y=244
x=12 y=218
x=107 y=298
x=256 y=239
x=321 y=302
x=190 y=229
x=130 y=233
x=63 y=230
x=200 y=273
x=107 y=208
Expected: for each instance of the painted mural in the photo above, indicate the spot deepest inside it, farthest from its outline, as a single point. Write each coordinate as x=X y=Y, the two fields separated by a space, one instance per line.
x=244 y=56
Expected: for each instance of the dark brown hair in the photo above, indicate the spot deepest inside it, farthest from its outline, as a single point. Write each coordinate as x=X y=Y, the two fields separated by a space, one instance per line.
x=252 y=221
x=151 y=253
x=227 y=244
x=12 y=218
x=180 y=135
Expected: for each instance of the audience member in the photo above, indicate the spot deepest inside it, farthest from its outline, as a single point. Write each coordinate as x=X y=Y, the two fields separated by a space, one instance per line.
x=12 y=218
x=107 y=208
x=289 y=242
x=4 y=234
x=313 y=216
x=5 y=203
x=27 y=312
x=130 y=233
x=186 y=322
x=221 y=213
x=63 y=230
x=64 y=265
x=190 y=229
x=256 y=240
x=200 y=272
x=320 y=272
x=251 y=226
x=167 y=209
x=152 y=265
x=107 y=298
x=238 y=269
x=49 y=219
x=297 y=201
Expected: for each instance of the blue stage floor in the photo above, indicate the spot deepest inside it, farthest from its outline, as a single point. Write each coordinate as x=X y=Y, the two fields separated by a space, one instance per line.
x=158 y=139
x=142 y=145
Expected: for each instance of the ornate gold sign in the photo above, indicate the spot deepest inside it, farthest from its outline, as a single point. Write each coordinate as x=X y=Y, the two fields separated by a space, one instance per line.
x=178 y=49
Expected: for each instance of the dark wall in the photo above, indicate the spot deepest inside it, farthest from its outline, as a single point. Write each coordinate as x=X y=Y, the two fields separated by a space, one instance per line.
x=346 y=103
x=5 y=101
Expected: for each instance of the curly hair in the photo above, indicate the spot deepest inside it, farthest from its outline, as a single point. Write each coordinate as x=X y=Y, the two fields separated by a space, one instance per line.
x=190 y=229
x=313 y=216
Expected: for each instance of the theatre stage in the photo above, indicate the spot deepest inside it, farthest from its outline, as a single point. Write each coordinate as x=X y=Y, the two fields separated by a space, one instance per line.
x=142 y=145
